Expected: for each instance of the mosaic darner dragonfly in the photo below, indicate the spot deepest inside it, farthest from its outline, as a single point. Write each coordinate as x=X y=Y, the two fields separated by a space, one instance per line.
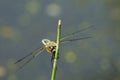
x=50 y=46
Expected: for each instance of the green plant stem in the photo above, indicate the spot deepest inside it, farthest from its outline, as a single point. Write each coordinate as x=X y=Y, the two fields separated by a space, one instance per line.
x=54 y=70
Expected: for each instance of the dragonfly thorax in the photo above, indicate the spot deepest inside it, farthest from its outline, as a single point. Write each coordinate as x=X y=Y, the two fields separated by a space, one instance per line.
x=49 y=45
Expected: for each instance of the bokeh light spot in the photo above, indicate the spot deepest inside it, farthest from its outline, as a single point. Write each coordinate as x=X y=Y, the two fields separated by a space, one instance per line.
x=53 y=10
x=115 y=13
x=33 y=7
x=2 y=71
x=70 y=57
x=8 y=32
x=11 y=66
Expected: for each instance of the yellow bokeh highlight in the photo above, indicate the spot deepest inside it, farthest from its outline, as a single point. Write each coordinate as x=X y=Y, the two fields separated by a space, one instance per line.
x=11 y=66
x=33 y=7
x=8 y=32
x=70 y=57
x=115 y=13
x=2 y=71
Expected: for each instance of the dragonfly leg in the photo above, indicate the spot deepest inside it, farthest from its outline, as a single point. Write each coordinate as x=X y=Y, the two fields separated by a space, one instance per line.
x=52 y=58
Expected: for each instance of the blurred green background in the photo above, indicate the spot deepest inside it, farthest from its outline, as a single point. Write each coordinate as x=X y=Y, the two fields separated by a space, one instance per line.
x=24 y=23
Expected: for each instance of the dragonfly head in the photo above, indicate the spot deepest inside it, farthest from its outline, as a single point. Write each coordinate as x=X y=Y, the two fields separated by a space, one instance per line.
x=45 y=41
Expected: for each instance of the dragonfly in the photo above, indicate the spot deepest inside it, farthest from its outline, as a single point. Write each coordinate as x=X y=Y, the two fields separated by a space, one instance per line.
x=50 y=47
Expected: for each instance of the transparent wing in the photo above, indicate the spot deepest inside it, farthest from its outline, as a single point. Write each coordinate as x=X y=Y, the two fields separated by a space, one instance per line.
x=26 y=59
x=76 y=39
x=73 y=33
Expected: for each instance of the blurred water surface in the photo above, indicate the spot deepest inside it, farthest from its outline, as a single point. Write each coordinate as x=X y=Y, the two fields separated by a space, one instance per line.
x=24 y=23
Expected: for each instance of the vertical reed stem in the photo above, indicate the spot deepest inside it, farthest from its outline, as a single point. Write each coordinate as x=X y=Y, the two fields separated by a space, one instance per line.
x=54 y=70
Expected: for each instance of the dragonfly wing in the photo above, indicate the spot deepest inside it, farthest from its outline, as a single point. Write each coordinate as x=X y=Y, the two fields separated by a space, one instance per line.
x=77 y=39
x=25 y=63
x=26 y=59
x=73 y=33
